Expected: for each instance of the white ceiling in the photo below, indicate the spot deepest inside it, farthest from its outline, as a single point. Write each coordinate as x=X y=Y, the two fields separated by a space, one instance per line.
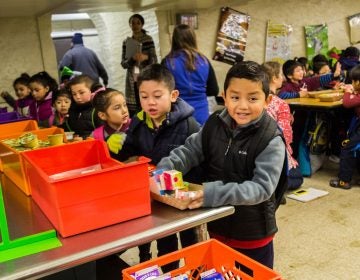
x=19 y=8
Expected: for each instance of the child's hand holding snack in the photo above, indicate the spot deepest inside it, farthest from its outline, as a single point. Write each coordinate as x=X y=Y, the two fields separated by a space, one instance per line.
x=197 y=201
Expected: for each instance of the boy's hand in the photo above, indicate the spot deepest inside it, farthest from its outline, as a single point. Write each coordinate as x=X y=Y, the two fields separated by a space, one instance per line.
x=197 y=201
x=348 y=88
x=115 y=142
x=337 y=71
x=303 y=93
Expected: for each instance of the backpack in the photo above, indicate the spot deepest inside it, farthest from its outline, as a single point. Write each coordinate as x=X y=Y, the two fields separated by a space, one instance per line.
x=318 y=135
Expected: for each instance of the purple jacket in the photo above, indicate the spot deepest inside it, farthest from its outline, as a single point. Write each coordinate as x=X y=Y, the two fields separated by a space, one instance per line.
x=291 y=90
x=22 y=106
x=42 y=110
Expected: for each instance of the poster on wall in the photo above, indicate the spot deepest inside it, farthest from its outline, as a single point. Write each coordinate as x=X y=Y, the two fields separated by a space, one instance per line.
x=316 y=37
x=278 y=42
x=232 y=35
x=354 y=23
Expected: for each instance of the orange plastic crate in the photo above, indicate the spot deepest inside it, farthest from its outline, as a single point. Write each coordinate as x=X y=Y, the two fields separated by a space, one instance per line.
x=12 y=162
x=8 y=129
x=205 y=256
x=79 y=187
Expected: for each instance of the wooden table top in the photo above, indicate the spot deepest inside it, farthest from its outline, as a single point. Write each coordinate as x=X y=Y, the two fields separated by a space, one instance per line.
x=312 y=102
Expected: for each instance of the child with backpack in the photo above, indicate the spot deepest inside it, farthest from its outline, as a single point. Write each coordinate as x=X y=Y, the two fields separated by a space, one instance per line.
x=244 y=157
x=350 y=152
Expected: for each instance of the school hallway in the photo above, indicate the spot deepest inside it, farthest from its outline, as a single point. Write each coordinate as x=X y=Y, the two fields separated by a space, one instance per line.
x=319 y=239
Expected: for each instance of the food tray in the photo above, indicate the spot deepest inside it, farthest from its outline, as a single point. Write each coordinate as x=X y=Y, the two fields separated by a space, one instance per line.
x=181 y=204
x=330 y=97
x=316 y=94
x=206 y=255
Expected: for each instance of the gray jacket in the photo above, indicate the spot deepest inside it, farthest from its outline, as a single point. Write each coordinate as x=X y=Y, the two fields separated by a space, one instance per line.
x=84 y=60
x=259 y=189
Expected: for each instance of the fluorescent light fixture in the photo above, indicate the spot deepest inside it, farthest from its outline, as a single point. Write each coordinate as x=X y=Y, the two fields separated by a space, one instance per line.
x=64 y=17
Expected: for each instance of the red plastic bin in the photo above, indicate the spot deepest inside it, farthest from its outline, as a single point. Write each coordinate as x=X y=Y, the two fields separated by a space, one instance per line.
x=79 y=187
x=205 y=256
x=12 y=162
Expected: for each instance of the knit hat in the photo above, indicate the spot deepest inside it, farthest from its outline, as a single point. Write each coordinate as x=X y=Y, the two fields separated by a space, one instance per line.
x=77 y=38
x=289 y=66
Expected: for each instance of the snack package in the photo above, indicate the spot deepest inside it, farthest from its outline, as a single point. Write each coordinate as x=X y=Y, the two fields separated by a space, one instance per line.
x=148 y=273
x=211 y=274
x=173 y=180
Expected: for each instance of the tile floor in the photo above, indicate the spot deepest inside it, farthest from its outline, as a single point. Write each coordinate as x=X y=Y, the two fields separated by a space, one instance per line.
x=319 y=239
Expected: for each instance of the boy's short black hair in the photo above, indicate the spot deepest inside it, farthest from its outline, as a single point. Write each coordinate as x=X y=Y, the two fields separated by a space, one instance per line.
x=351 y=52
x=248 y=70
x=355 y=73
x=318 y=65
x=159 y=73
x=61 y=92
x=289 y=67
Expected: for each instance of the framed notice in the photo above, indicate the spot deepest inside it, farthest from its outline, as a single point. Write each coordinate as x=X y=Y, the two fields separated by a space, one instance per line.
x=190 y=19
x=232 y=36
x=354 y=23
x=317 y=41
x=278 y=42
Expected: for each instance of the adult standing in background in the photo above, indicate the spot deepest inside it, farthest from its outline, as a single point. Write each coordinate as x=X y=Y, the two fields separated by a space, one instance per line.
x=138 y=51
x=82 y=59
x=194 y=76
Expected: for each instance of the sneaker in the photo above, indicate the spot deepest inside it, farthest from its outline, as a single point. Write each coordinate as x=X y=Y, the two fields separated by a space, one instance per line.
x=334 y=158
x=336 y=183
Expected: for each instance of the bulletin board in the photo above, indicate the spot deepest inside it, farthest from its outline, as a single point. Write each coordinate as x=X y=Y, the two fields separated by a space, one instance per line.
x=231 y=36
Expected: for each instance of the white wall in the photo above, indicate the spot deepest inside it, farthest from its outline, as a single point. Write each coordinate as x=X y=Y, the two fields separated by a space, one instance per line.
x=113 y=28
x=293 y=12
x=26 y=45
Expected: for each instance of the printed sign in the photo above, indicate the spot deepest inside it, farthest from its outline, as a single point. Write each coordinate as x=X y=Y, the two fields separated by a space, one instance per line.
x=232 y=36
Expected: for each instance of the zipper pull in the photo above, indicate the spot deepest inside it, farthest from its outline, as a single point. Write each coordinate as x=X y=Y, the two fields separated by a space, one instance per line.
x=228 y=146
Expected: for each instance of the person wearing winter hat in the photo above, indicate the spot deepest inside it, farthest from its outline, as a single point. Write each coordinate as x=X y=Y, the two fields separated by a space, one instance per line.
x=77 y=39
x=349 y=58
x=84 y=60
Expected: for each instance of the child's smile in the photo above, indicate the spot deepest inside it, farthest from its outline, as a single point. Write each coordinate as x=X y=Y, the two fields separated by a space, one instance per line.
x=245 y=100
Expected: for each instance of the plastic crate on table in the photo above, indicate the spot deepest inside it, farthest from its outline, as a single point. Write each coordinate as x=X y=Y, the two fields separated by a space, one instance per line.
x=12 y=162
x=79 y=187
x=3 y=110
x=11 y=117
x=205 y=256
x=8 y=129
